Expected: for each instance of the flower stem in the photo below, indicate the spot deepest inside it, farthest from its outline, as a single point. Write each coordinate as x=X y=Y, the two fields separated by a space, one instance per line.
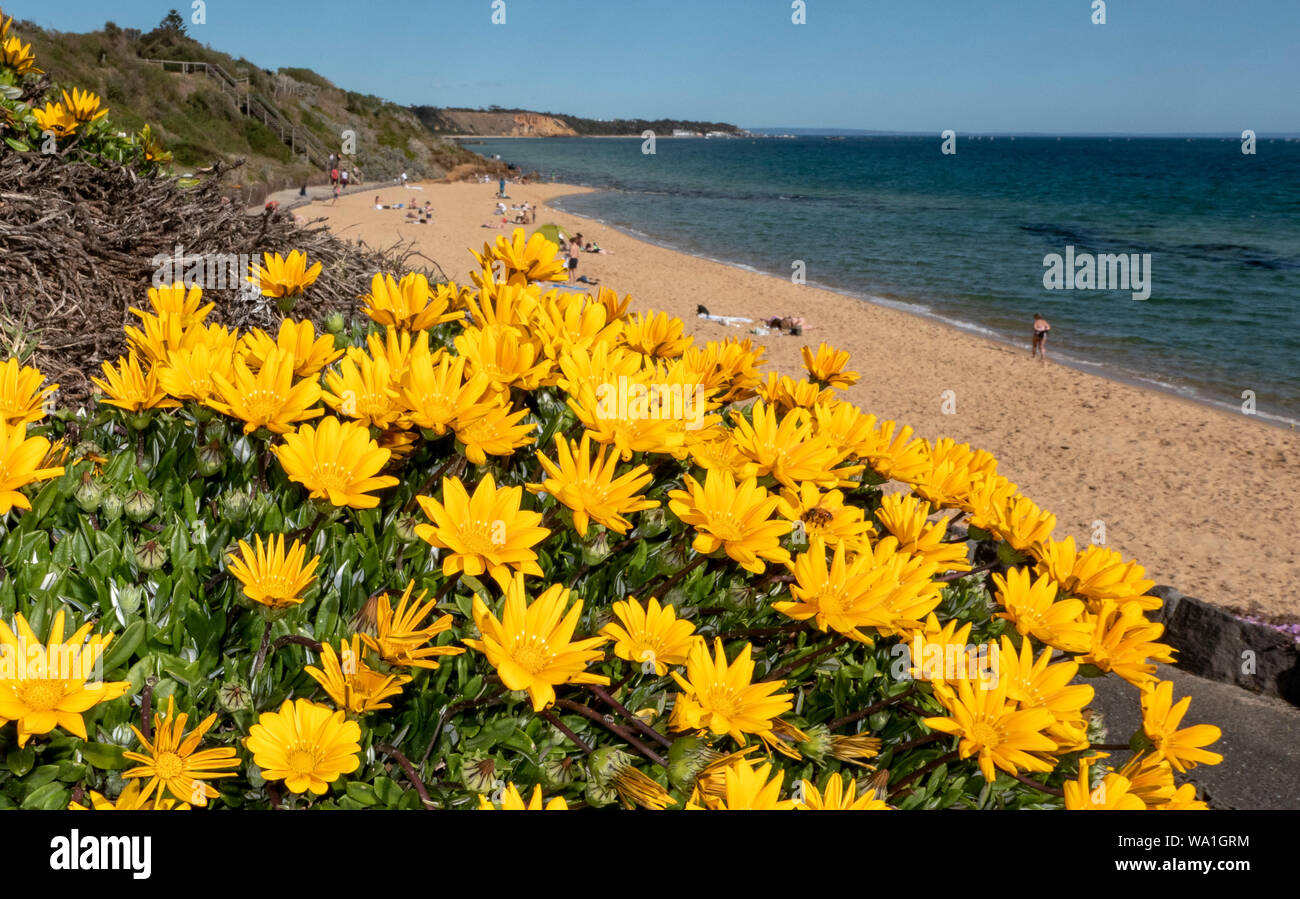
x=805 y=659
x=921 y=772
x=564 y=729
x=146 y=707
x=261 y=652
x=621 y=732
x=636 y=722
x=686 y=569
x=411 y=775
x=308 y=642
x=447 y=588
x=871 y=709
x=1042 y=788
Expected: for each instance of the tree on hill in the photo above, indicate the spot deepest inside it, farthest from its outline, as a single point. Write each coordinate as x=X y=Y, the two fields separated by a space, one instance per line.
x=173 y=23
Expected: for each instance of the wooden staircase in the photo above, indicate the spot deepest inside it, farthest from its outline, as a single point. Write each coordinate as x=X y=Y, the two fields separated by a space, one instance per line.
x=299 y=140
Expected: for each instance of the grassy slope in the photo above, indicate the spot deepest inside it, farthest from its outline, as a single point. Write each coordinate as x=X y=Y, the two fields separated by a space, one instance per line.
x=200 y=124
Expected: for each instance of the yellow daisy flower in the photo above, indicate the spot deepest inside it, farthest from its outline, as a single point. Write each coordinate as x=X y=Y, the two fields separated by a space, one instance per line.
x=171 y=762
x=271 y=576
x=723 y=698
x=407 y=304
x=133 y=798
x=268 y=399
x=128 y=387
x=732 y=517
x=1032 y=606
x=400 y=638
x=511 y=801
x=20 y=457
x=283 y=276
x=298 y=339
x=23 y=393
x=529 y=646
x=838 y=795
x=488 y=532
x=306 y=745
x=1160 y=719
x=993 y=729
x=336 y=461
x=45 y=683
x=589 y=486
x=650 y=635
x=746 y=788
x=355 y=687
x=826 y=366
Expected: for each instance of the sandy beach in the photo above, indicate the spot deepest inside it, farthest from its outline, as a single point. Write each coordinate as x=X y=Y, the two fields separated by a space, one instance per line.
x=1206 y=500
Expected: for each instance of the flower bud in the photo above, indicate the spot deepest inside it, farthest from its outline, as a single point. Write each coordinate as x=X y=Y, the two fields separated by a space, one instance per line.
x=211 y=459
x=478 y=772
x=89 y=494
x=562 y=772
x=334 y=323
x=818 y=745
x=687 y=757
x=128 y=597
x=139 y=505
x=595 y=550
x=235 y=506
x=652 y=522
x=111 y=506
x=607 y=761
x=234 y=696
x=405 y=527
x=150 y=555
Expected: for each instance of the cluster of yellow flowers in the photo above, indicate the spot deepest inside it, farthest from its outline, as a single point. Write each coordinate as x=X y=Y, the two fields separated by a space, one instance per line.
x=14 y=53
x=638 y=389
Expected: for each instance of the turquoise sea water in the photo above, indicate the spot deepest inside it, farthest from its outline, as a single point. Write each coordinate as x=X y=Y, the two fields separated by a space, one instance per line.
x=963 y=237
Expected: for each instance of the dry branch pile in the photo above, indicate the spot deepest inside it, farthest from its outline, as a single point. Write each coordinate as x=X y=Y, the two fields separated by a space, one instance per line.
x=81 y=243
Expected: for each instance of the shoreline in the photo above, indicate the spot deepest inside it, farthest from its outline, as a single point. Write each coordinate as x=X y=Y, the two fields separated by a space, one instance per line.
x=1192 y=492
x=917 y=308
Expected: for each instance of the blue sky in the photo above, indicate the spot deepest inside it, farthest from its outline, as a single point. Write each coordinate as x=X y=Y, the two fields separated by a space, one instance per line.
x=1156 y=66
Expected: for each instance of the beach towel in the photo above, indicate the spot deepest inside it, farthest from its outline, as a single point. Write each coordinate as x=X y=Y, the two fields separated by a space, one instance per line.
x=734 y=321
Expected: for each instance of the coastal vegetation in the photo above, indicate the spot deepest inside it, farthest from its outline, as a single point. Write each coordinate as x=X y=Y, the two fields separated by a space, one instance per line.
x=410 y=555
x=202 y=119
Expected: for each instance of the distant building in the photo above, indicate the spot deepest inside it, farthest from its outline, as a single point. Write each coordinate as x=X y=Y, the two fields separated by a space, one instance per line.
x=682 y=132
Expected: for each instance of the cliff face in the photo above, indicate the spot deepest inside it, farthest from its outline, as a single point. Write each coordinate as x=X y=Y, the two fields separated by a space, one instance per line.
x=534 y=125
x=506 y=124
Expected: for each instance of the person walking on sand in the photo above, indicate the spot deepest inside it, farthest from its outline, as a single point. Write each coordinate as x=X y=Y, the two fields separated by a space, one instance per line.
x=337 y=191
x=575 y=247
x=1041 y=327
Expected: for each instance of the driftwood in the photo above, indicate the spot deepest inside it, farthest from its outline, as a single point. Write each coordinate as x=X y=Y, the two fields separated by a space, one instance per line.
x=80 y=243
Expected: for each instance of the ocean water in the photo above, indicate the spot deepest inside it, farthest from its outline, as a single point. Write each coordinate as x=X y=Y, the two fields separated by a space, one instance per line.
x=963 y=237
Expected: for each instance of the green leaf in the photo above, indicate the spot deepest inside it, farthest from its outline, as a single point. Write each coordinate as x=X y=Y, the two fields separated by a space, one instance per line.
x=41 y=776
x=49 y=797
x=104 y=756
x=120 y=650
x=20 y=761
x=362 y=793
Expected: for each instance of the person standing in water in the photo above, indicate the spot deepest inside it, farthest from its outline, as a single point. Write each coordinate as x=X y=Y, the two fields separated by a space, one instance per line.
x=1041 y=327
